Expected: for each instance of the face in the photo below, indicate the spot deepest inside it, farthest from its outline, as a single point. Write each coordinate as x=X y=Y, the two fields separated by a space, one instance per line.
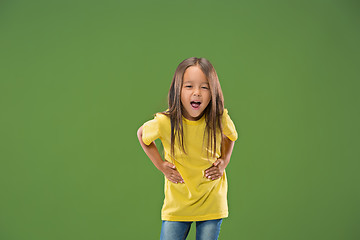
x=195 y=93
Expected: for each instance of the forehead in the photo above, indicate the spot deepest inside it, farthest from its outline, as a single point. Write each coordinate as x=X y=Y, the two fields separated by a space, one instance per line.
x=194 y=74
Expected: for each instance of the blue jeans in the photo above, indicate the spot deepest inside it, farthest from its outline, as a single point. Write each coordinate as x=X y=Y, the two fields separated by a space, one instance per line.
x=205 y=230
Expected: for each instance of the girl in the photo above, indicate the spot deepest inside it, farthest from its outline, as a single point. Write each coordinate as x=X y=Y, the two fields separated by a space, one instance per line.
x=198 y=138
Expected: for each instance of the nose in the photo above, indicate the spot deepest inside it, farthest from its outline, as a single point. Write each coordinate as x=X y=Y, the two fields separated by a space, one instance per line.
x=196 y=92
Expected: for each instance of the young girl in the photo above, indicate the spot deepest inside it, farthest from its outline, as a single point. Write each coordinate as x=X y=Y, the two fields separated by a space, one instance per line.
x=198 y=137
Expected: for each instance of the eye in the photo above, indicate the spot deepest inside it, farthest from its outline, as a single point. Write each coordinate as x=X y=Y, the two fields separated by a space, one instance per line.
x=205 y=88
x=188 y=86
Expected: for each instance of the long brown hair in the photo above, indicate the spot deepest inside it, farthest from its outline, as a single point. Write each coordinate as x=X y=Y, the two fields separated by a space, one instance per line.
x=213 y=111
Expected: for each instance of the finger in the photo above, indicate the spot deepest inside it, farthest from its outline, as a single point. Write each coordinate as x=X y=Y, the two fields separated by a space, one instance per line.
x=177 y=177
x=174 y=180
x=215 y=177
x=209 y=169
x=171 y=178
x=212 y=172
x=175 y=172
x=213 y=169
x=170 y=165
x=216 y=162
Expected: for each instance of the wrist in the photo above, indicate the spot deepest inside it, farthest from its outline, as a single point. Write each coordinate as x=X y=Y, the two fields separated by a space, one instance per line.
x=223 y=162
x=161 y=166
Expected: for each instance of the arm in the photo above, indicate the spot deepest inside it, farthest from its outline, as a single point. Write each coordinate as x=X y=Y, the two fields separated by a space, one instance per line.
x=216 y=171
x=168 y=169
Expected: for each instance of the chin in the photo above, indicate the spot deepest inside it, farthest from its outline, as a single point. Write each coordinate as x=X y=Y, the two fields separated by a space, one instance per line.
x=196 y=115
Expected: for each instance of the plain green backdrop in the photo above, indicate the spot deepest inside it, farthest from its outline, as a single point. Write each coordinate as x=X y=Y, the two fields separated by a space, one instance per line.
x=78 y=78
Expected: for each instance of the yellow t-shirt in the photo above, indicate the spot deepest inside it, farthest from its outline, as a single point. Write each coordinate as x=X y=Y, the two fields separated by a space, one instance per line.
x=198 y=198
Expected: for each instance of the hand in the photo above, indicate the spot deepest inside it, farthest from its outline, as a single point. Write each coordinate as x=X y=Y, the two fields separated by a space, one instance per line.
x=170 y=172
x=216 y=170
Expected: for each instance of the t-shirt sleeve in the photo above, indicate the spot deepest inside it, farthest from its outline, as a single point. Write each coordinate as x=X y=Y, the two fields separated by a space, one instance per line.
x=229 y=129
x=151 y=130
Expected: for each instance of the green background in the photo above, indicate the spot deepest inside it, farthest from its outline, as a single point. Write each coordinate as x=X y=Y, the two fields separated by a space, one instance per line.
x=78 y=78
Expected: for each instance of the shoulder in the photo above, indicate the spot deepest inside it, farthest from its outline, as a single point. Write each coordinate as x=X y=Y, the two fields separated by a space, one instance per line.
x=161 y=118
x=161 y=115
x=228 y=126
x=225 y=114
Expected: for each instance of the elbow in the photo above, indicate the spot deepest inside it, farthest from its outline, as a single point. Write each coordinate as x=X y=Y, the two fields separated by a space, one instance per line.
x=139 y=135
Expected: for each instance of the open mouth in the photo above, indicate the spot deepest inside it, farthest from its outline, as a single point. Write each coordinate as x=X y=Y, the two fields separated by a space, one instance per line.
x=195 y=104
